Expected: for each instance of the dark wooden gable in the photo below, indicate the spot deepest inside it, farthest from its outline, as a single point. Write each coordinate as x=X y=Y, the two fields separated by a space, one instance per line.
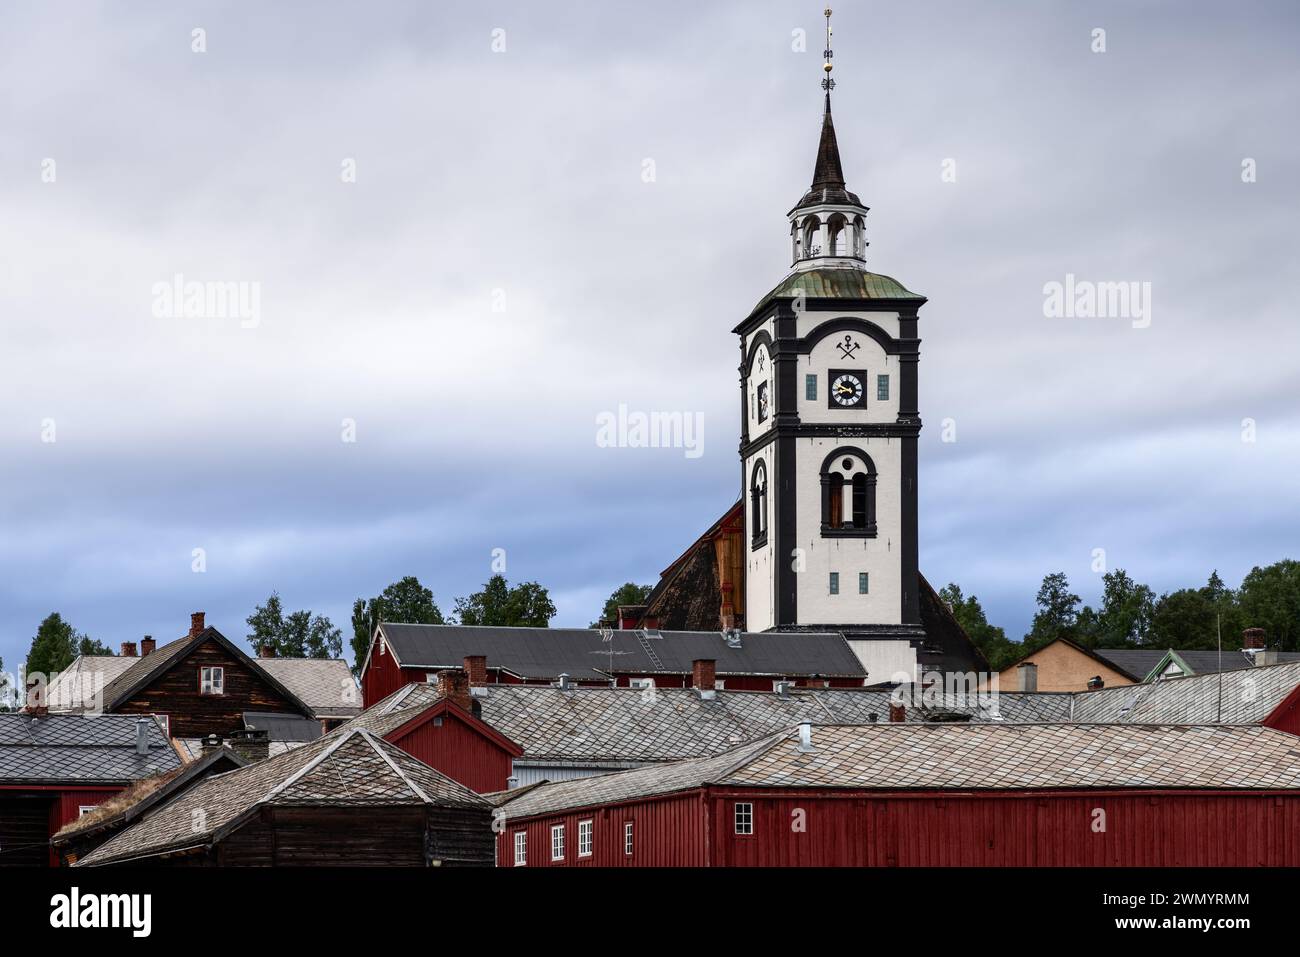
x=174 y=691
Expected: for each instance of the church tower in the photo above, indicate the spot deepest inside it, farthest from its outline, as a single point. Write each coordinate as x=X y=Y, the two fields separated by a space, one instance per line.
x=829 y=427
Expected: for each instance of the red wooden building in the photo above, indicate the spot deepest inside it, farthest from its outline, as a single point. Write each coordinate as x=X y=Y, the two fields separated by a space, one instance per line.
x=932 y=795
x=442 y=727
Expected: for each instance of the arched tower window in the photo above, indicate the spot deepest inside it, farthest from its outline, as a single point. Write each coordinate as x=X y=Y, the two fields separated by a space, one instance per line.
x=812 y=227
x=848 y=494
x=758 y=505
x=837 y=236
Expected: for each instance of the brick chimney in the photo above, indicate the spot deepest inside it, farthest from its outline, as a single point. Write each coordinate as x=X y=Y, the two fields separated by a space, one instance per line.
x=196 y=624
x=128 y=649
x=1252 y=639
x=252 y=744
x=454 y=686
x=147 y=645
x=476 y=668
x=704 y=674
x=1027 y=676
x=897 y=712
x=266 y=650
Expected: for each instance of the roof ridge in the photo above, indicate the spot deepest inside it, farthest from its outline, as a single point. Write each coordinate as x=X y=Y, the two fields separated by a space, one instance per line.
x=374 y=744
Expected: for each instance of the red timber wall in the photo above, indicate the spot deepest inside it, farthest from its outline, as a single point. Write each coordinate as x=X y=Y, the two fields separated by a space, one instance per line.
x=459 y=751
x=1027 y=829
x=1286 y=716
x=64 y=803
x=669 y=832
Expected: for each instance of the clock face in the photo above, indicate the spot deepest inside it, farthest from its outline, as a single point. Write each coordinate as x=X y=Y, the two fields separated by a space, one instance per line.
x=846 y=390
x=762 y=401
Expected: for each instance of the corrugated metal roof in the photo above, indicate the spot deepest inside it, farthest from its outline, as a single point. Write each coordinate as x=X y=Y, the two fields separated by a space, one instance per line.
x=585 y=654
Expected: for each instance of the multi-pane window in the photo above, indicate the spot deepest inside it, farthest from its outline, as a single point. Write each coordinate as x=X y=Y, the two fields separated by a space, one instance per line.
x=862 y=583
x=627 y=838
x=557 y=842
x=521 y=848
x=882 y=387
x=212 y=680
x=744 y=818
x=166 y=722
x=810 y=387
x=835 y=583
x=584 y=838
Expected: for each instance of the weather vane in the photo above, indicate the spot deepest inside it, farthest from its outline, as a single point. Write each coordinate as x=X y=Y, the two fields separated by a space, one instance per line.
x=827 y=83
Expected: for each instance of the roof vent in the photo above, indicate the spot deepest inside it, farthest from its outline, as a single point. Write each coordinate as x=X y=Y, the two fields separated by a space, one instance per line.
x=782 y=688
x=732 y=637
x=805 y=737
x=512 y=782
x=565 y=683
x=142 y=736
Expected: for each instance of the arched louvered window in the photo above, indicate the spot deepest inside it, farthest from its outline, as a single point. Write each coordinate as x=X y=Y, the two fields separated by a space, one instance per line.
x=848 y=494
x=758 y=505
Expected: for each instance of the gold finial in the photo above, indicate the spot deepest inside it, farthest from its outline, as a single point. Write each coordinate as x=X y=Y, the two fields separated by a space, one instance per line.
x=827 y=83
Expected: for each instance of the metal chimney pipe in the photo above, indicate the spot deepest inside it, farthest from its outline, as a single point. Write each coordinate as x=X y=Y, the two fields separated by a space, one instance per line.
x=142 y=736
x=805 y=736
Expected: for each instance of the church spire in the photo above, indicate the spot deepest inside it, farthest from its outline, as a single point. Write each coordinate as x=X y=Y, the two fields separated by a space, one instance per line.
x=828 y=223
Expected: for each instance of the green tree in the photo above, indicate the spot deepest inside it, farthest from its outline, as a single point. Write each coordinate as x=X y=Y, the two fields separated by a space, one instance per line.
x=499 y=604
x=625 y=594
x=991 y=640
x=1057 y=615
x=405 y=601
x=1124 y=619
x=299 y=634
x=90 y=646
x=1270 y=599
x=1189 y=618
x=54 y=646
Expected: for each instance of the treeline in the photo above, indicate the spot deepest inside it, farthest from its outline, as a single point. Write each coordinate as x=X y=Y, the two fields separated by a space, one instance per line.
x=303 y=634
x=1132 y=615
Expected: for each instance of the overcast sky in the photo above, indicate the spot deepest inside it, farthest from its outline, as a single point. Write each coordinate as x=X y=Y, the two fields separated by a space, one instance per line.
x=500 y=272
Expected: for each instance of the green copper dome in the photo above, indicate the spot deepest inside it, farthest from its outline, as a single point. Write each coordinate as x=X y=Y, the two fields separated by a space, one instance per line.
x=839 y=284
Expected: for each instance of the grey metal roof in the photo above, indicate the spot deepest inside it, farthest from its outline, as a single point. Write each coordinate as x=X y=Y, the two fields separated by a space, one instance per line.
x=87 y=676
x=1141 y=661
x=958 y=757
x=587 y=654
x=349 y=768
x=80 y=749
x=283 y=727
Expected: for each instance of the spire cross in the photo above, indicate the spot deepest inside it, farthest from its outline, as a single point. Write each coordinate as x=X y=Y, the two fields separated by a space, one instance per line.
x=828 y=84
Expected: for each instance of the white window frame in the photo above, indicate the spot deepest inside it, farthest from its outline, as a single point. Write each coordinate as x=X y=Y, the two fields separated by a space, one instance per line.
x=521 y=848
x=166 y=721
x=627 y=838
x=744 y=818
x=212 y=680
x=84 y=809
x=641 y=683
x=557 y=842
x=586 y=838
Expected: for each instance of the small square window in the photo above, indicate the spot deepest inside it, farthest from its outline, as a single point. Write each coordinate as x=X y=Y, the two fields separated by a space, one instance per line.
x=882 y=388
x=212 y=680
x=835 y=583
x=862 y=583
x=557 y=842
x=744 y=818
x=810 y=387
x=521 y=848
x=84 y=809
x=584 y=838
x=627 y=838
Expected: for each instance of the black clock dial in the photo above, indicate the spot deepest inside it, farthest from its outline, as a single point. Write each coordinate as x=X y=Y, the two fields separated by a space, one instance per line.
x=846 y=389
